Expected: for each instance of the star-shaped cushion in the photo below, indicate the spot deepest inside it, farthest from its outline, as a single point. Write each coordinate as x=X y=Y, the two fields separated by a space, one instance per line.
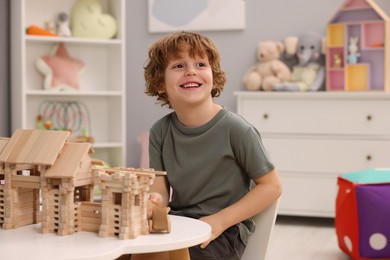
x=60 y=70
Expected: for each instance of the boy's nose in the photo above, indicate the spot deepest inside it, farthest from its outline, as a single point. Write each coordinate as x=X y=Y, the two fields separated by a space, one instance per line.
x=190 y=71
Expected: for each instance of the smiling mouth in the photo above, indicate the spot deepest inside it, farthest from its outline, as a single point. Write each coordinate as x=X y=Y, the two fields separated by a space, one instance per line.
x=191 y=85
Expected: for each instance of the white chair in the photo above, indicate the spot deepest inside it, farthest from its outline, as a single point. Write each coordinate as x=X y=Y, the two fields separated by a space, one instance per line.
x=258 y=243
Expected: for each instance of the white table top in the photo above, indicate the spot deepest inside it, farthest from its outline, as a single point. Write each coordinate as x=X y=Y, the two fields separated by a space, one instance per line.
x=27 y=243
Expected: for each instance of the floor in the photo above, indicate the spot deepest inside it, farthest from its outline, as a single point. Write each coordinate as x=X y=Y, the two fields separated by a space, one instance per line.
x=302 y=238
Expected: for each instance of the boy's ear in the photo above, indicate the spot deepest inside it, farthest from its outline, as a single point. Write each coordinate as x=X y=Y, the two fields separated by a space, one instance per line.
x=161 y=89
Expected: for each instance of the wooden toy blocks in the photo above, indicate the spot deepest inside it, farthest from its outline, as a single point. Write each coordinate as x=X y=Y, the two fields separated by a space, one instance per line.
x=46 y=179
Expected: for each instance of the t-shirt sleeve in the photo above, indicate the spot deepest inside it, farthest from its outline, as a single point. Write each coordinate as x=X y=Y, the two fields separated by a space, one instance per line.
x=155 y=151
x=251 y=153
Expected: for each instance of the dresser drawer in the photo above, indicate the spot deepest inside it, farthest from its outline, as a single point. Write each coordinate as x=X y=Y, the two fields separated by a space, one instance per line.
x=308 y=194
x=316 y=154
x=360 y=117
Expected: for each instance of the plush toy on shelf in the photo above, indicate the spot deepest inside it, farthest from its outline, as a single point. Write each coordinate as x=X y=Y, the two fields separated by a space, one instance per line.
x=60 y=70
x=89 y=21
x=309 y=73
x=269 y=70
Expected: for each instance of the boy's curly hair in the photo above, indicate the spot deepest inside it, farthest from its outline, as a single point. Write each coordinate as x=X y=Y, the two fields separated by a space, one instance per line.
x=168 y=47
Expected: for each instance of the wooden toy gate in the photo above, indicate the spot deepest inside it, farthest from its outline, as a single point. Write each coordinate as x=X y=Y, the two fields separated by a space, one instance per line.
x=90 y=216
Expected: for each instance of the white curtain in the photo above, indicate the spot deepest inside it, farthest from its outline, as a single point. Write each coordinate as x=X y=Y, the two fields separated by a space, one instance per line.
x=4 y=69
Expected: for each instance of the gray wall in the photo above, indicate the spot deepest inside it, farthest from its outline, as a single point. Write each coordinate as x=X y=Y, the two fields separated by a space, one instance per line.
x=4 y=69
x=265 y=20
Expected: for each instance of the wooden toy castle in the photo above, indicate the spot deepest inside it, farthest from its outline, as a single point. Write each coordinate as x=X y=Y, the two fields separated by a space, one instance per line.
x=358 y=39
x=46 y=179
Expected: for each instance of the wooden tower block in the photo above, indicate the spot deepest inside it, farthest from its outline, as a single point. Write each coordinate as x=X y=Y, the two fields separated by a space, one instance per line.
x=2 y=204
x=104 y=227
x=66 y=221
x=9 y=195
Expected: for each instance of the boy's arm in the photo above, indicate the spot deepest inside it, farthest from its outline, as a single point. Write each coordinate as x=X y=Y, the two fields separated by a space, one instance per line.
x=266 y=191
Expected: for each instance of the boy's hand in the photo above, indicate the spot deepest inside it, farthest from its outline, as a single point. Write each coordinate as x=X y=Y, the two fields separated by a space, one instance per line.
x=216 y=228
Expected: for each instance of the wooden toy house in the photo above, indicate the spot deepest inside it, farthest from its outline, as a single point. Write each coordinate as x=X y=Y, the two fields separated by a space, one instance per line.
x=40 y=165
x=124 y=201
x=44 y=178
x=357 y=53
x=3 y=143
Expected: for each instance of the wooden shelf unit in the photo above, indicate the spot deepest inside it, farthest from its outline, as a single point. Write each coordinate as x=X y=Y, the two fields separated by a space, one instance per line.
x=362 y=19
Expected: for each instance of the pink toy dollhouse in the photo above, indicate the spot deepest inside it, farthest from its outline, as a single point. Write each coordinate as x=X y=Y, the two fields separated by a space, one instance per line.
x=357 y=53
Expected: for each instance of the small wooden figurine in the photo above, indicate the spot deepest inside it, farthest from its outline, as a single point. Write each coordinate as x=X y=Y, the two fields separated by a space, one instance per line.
x=159 y=221
x=337 y=61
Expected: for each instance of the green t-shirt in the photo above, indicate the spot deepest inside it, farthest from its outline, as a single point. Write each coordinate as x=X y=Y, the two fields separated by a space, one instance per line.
x=209 y=167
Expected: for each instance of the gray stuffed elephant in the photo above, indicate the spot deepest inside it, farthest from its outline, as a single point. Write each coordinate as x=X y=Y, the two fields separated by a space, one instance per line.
x=308 y=72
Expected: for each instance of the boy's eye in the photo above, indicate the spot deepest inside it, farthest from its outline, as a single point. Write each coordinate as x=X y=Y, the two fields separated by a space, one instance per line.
x=178 y=66
x=202 y=64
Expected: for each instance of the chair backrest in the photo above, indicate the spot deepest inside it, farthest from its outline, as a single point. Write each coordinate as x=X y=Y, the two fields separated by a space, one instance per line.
x=258 y=243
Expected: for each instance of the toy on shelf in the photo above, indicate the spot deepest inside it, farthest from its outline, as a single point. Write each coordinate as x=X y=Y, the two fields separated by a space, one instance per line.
x=73 y=116
x=46 y=179
x=89 y=21
x=63 y=27
x=358 y=34
x=269 y=69
x=60 y=70
x=36 y=30
x=51 y=26
x=337 y=61
x=309 y=73
x=353 y=55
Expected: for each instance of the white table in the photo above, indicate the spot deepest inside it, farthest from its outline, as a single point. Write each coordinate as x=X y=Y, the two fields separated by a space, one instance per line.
x=27 y=243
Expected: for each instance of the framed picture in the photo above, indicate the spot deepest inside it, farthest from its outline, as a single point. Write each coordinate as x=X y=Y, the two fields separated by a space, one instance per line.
x=196 y=15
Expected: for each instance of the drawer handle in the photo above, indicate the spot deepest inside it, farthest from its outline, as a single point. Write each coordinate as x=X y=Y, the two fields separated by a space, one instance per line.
x=265 y=116
x=369 y=117
x=368 y=157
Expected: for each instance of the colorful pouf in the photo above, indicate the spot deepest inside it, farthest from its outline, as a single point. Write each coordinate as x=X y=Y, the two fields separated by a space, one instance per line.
x=363 y=214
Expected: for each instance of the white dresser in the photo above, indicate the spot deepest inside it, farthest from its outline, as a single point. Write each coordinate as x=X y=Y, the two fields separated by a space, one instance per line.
x=314 y=137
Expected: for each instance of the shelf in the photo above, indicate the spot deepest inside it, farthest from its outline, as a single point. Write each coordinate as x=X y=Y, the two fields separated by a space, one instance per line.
x=53 y=39
x=373 y=35
x=336 y=35
x=73 y=93
x=99 y=106
x=365 y=71
x=356 y=77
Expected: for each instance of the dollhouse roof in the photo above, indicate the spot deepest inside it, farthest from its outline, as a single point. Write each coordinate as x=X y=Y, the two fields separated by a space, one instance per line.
x=70 y=161
x=3 y=143
x=34 y=147
x=368 y=10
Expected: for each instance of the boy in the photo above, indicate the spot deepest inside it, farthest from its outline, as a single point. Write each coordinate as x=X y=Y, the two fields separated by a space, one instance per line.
x=210 y=153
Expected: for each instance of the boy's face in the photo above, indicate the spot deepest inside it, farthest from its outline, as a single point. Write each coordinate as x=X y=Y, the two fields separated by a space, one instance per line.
x=188 y=81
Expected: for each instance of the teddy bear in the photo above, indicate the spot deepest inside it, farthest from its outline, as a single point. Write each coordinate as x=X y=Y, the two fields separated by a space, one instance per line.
x=269 y=70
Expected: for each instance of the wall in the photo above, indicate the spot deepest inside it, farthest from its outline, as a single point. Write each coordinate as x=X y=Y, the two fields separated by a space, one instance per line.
x=265 y=20
x=4 y=69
